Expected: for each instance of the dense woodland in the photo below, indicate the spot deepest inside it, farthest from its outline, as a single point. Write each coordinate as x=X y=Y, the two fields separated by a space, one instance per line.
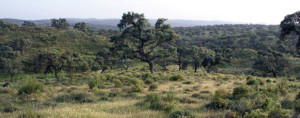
x=145 y=54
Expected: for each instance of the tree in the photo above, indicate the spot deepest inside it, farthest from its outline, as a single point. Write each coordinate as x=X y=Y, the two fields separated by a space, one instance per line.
x=20 y=44
x=60 y=23
x=28 y=24
x=140 y=40
x=270 y=64
x=81 y=26
x=166 y=56
x=10 y=62
x=51 y=60
x=103 y=59
x=198 y=55
x=290 y=24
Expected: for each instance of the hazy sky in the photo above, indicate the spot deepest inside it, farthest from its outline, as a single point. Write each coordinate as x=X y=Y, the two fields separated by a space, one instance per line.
x=247 y=11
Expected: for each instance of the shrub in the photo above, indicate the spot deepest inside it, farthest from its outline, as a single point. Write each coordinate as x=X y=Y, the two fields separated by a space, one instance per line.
x=187 y=82
x=149 y=81
x=96 y=82
x=114 y=94
x=30 y=114
x=75 y=97
x=5 y=90
x=278 y=113
x=30 y=86
x=255 y=114
x=117 y=83
x=205 y=92
x=267 y=104
x=9 y=109
x=146 y=76
x=297 y=105
x=156 y=102
x=255 y=82
x=231 y=115
x=177 y=78
x=169 y=97
x=252 y=82
x=195 y=95
x=298 y=96
x=153 y=87
x=135 y=81
x=287 y=104
x=187 y=101
x=169 y=108
x=136 y=88
x=181 y=114
x=268 y=81
x=242 y=91
x=226 y=78
x=221 y=93
x=241 y=106
x=219 y=100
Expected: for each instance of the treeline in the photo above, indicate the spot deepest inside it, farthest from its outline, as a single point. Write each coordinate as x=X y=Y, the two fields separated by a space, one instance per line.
x=35 y=49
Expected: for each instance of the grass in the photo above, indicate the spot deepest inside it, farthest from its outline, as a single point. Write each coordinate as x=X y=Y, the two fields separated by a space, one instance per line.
x=105 y=106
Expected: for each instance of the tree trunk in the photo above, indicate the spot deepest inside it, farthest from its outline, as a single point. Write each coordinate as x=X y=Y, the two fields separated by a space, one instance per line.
x=274 y=74
x=195 y=69
x=126 y=68
x=151 y=67
x=208 y=69
x=11 y=78
x=56 y=74
x=102 y=70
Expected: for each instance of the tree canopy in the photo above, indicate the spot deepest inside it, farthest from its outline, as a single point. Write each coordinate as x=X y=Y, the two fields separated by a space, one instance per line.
x=140 y=40
x=290 y=24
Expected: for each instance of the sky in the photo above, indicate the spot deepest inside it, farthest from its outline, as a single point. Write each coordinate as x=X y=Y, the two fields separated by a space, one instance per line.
x=243 y=11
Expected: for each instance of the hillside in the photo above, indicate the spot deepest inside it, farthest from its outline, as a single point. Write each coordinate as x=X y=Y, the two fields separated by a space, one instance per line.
x=98 y=24
x=207 y=71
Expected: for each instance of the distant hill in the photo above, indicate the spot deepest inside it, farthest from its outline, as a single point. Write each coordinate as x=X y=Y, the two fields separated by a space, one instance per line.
x=98 y=24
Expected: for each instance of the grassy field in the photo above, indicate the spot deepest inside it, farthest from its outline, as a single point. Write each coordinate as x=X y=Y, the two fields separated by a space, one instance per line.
x=119 y=94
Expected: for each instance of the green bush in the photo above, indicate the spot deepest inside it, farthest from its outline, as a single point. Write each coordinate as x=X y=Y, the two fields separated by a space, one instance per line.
x=75 y=97
x=268 y=81
x=169 y=97
x=153 y=87
x=146 y=76
x=242 y=91
x=156 y=101
x=187 y=82
x=117 y=83
x=255 y=82
x=297 y=105
x=232 y=114
x=181 y=114
x=255 y=114
x=268 y=104
x=9 y=109
x=278 y=113
x=136 y=85
x=287 y=104
x=298 y=96
x=219 y=101
x=252 y=82
x=176 y=78
x=114 y=94
x=30 y=114
x=97 y=82
x=187 y=101
x=136 y=88
x=148 y=81
x=30 y=86
x=241 y=106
